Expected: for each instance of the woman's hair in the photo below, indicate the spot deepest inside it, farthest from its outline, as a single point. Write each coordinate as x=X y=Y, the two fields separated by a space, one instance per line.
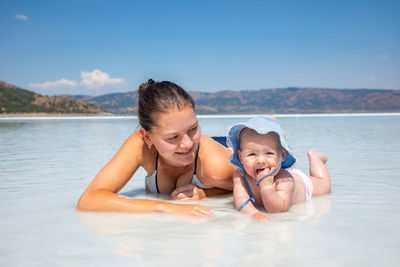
x=155 y=98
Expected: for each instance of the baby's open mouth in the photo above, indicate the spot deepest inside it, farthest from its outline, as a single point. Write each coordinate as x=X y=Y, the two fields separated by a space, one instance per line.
x=258 y=171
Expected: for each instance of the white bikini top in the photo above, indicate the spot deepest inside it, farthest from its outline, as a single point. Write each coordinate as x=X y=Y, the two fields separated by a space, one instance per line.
x=151 y=181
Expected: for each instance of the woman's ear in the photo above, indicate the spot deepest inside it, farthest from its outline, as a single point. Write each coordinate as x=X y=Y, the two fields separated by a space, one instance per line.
x=146 y=137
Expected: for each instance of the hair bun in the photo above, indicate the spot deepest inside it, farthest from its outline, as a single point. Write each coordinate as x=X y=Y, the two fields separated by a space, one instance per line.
x=155 y=98
x=144 y=86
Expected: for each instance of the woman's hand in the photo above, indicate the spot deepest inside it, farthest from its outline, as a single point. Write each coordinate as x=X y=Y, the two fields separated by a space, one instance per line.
x=188 y=192
x=191 y=210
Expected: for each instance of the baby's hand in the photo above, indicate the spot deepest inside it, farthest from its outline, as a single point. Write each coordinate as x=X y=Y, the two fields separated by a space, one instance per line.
x=267 y=181
x=260 y=216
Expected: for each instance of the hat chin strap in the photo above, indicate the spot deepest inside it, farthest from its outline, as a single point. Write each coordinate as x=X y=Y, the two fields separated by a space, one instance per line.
x=272 y=172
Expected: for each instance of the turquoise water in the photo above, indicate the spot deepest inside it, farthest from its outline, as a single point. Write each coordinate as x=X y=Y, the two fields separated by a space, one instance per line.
x=46 y=163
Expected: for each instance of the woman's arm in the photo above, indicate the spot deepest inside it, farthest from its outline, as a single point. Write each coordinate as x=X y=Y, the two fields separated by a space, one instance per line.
x=276 y=192
x=213 y=167
x=191 y=192
x=101 y=194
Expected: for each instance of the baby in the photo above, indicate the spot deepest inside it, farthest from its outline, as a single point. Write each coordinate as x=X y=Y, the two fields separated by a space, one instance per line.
x=263 y=156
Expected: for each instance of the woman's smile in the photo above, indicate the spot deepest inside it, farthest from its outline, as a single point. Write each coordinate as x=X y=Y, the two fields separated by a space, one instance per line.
x=185 y=153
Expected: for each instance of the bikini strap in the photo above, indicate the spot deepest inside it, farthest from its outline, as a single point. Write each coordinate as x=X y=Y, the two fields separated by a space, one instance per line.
x=249 y=191
x=195 y=161
x=157 y=161
x=158 y=191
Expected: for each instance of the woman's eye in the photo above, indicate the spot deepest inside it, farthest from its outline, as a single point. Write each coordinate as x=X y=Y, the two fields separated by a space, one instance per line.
x=173 y=137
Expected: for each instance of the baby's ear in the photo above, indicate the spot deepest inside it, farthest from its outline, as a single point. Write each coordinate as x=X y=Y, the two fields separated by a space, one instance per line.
x=240 y=154
x=284 y=152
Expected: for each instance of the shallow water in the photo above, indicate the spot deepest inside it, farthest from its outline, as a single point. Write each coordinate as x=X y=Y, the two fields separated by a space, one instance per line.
x=46 y=163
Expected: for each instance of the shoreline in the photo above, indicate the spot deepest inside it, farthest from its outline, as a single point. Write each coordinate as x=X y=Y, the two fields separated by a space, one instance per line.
x=40 y=114
x=59 y=116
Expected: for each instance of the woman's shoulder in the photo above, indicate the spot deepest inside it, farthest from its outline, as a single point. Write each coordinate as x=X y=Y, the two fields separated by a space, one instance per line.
x=214 y=163
x=210 y=145
x=135 y=140
x=136 y=149
x=213 y=151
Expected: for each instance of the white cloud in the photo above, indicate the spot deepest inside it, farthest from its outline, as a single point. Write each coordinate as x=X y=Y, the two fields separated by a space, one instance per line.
x=21 y=17
x=90 y=80
x=63 y=83
x=97 y=79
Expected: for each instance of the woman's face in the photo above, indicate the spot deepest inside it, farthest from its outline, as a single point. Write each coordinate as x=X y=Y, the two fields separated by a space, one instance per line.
x=176 y=136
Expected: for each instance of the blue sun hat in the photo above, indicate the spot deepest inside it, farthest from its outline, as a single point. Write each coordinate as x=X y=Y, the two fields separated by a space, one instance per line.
x=262 y=125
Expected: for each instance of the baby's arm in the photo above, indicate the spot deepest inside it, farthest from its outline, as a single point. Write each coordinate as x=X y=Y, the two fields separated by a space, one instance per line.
x=276 y=192
x=240 y=196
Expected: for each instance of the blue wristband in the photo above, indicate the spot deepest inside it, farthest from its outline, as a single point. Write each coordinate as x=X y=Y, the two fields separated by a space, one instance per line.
x=245 y=203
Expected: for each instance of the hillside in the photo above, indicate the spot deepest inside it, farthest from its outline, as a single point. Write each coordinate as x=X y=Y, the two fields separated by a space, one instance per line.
x=17 y=100
x=300 y=100
x=263 y=101
x=117 y=103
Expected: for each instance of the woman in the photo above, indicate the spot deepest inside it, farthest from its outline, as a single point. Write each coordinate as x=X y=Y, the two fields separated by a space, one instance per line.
x=169 y=146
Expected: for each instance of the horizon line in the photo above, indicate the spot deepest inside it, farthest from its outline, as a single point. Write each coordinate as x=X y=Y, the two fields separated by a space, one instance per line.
x=109 y=117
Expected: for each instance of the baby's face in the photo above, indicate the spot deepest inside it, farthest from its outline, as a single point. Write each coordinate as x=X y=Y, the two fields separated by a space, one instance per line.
x=259 y=153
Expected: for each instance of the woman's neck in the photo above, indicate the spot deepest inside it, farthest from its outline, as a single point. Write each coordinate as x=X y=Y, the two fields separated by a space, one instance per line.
x=166 y=164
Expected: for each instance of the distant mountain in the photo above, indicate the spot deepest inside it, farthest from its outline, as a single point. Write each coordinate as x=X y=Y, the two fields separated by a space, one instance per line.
x=300 y=100
x=267 y=101
x=262 y=101
x=117 y=103
x=17 y=100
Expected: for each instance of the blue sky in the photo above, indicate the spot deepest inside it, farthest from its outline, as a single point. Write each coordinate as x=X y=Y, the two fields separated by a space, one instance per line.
x=98 y=47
